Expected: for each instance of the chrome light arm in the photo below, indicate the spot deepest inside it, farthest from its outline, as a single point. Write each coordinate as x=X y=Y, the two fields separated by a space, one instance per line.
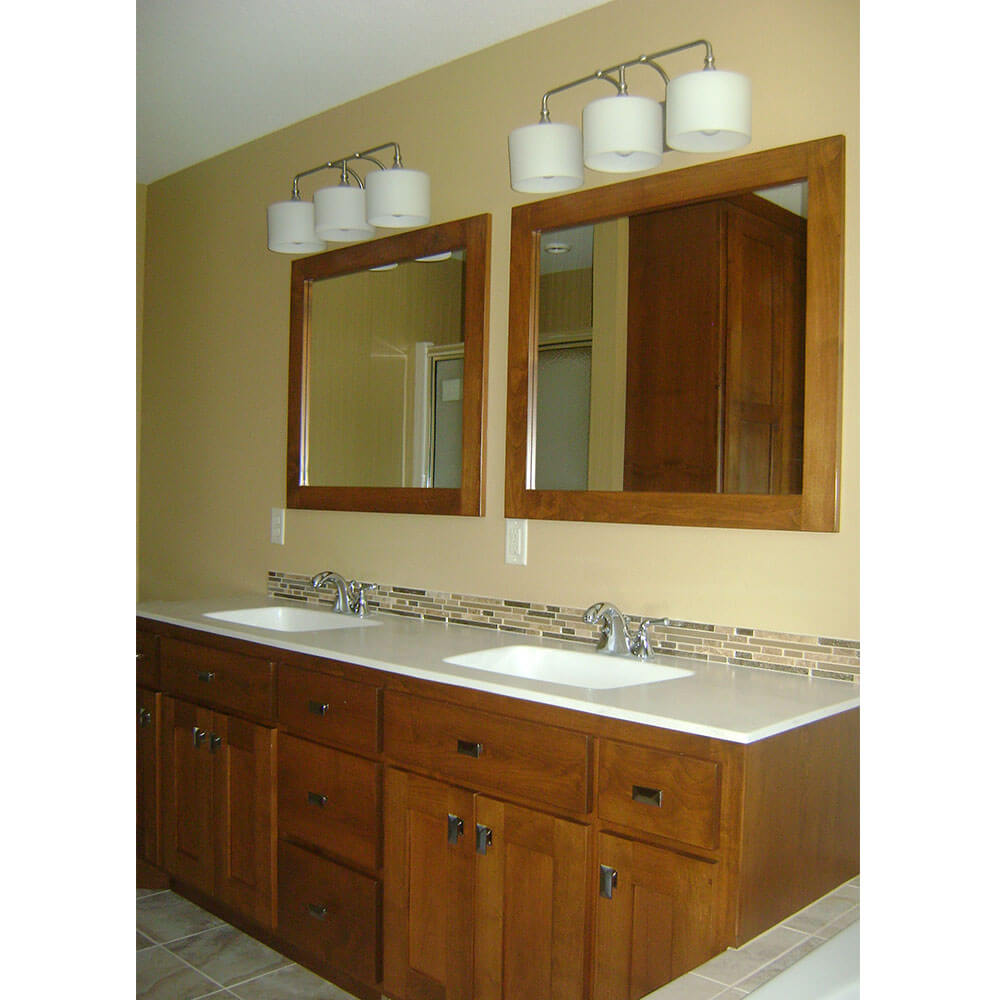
x=341 y=164
x=619 y=69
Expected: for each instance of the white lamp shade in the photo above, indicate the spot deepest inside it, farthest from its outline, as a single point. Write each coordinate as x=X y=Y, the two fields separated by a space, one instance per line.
x=708 y=111
x=291 y=228
x=546 y=157
x=622 y=134
x=340 y=214
x=398 y=197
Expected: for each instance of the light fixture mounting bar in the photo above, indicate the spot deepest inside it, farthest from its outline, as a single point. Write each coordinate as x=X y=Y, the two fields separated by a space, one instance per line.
x=620 y=67
x=341 y=163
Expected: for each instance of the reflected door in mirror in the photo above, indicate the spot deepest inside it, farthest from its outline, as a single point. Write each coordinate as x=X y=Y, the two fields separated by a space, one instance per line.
x=671 y=351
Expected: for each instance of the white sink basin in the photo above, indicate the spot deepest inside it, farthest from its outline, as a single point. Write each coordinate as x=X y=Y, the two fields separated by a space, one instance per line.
x=282 y=619
x=567 y=666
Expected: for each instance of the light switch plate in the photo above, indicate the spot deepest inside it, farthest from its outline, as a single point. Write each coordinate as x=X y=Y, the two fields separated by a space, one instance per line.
x=516 y=547
x=278 y=525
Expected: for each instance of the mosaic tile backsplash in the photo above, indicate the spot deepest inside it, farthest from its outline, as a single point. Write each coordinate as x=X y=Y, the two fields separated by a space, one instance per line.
x=813 y=656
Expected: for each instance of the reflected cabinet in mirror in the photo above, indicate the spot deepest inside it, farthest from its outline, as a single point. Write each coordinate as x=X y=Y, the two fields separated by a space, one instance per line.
x=386 y=387
x=675 y=347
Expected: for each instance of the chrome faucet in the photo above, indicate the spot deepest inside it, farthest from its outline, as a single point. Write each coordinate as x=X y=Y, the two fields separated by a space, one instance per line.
x=343 y=598
x=616 y=638
x=356 y=601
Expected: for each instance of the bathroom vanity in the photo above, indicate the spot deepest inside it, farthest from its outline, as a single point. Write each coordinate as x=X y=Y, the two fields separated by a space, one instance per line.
x=404 y=824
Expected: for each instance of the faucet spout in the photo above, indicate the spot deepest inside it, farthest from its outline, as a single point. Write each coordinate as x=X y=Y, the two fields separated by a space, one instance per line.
x=615 y=638
x=341 y=597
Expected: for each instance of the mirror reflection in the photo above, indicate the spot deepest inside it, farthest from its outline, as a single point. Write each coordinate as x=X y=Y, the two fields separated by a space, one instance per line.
x=385 y=375
x=671 y=349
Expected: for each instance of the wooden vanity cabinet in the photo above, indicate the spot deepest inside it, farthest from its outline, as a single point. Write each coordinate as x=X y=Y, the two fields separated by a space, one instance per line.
x=218 y=806
x=330 y=822
x=484 y=899
x=430 y=842
x=147 y=775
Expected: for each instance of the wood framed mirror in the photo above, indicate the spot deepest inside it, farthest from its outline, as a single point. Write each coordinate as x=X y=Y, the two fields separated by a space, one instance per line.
x=386 y=377
x=686 y=367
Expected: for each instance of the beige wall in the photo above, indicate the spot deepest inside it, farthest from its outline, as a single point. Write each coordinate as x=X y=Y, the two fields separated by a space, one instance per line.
x=216 y=338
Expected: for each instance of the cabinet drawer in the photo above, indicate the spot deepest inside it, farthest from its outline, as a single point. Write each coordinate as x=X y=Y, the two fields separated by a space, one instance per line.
x=146 y=666
x=669 y=794
x=329 y=799
x=330 y=912
x=489 y=752
x=329 y=709
x=223 y=679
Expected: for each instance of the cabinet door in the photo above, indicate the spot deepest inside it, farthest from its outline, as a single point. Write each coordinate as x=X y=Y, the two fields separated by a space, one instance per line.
x=659 y=922
x=188 y=843
x=429 y=884
x=531 y=902
x=147 y=776
x=244 y=762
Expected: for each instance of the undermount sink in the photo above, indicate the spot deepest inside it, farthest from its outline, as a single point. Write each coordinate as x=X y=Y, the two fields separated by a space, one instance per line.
x=282 y=619
x=567 y=666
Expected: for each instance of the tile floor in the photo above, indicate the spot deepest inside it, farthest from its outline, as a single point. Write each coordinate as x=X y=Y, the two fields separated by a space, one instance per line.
x=739 y=971
x=185 y=953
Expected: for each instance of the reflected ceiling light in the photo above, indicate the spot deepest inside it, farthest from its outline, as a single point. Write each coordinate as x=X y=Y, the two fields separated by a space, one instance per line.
x=393 y=198
x=704 y=112
x=557 y=248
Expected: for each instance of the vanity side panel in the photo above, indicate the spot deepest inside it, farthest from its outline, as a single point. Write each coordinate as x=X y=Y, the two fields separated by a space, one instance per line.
x=801 y=825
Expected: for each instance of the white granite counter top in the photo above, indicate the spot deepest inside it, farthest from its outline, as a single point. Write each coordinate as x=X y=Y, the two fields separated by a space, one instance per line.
x=738 y=704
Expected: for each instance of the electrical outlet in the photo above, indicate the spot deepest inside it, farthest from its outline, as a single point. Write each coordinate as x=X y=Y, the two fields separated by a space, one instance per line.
x=278 y=525
x=516 y=548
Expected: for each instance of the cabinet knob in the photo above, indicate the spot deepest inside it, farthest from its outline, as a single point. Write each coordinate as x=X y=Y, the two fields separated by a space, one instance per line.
x=317 y=910
x=319 y=707
x=206 y=676
x=139 y=656
x=456 y=828
x=145 y=718
x=214 y=743
x=198 y=736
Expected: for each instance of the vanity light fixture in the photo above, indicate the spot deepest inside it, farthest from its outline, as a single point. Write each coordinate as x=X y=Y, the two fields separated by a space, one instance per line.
x=390 y=197
x=706 y=111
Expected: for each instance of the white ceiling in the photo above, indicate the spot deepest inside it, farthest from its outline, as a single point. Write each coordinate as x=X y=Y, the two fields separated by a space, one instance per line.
x=214 y=74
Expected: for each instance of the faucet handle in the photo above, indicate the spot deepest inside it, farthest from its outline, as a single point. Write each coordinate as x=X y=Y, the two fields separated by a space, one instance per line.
x=356 y=602
x=640 y=644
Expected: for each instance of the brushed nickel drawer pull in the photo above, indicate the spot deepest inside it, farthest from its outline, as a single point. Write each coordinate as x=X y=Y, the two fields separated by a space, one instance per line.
x=140 y=656
x=198 y=736
x=319 y=707
x=648 y=796
x=484 y=838
x=470 y=749
x=214 y=743
x=317 y=910
x=456 y=828
x=316 y=799
x=145 y=718
x=206 y=676
x=608 y=880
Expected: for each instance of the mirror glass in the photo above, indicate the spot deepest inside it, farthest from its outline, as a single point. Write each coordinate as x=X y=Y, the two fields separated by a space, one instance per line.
x=385 y=376
x=386 y=364
x=671 y=349
x=675 y=346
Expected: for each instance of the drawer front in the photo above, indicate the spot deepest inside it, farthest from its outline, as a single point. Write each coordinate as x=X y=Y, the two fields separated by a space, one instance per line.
x=223 y=679
x=489 y=752
x=329 y=709
x=147 y=670
x=669 y=794
x=329 y=799
x=330 y=912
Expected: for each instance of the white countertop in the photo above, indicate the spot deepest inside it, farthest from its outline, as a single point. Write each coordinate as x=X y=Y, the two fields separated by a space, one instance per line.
x=738 y=704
